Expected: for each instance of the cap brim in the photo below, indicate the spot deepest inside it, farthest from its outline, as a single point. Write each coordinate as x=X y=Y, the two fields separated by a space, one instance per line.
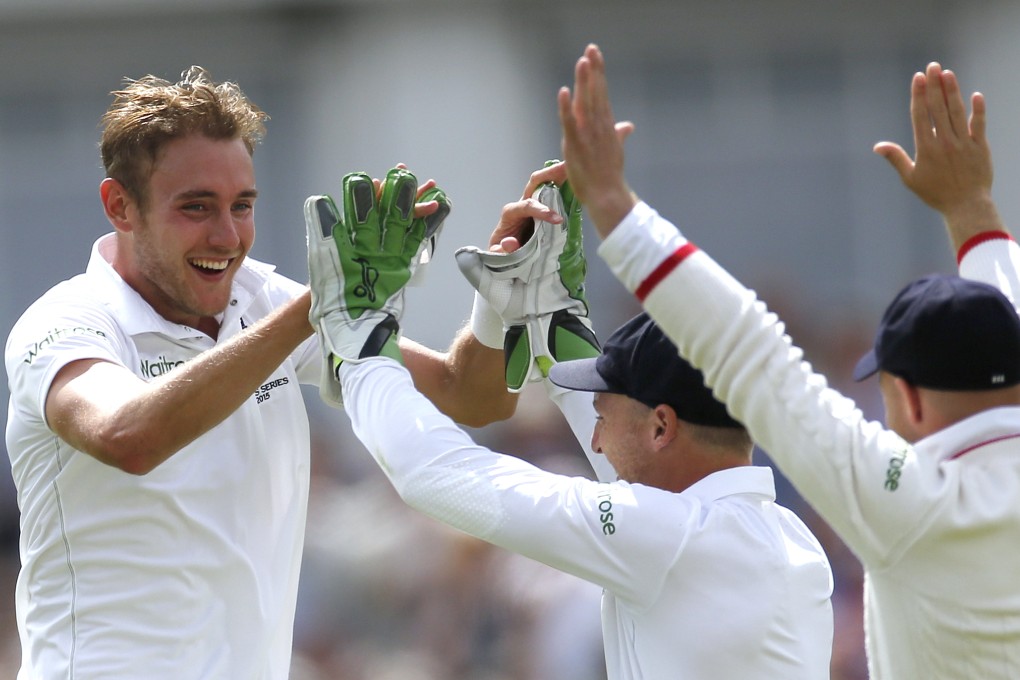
x=866 y=367
x=580 y=375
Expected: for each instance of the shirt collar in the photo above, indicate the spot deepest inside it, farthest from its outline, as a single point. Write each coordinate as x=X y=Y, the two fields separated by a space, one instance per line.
x=137 y=316
x=980 y=429
x=754 y=479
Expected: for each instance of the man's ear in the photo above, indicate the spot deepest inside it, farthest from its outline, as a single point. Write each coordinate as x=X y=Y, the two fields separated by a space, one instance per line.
x=913 y=407
x=116 y=203
x=665 y=425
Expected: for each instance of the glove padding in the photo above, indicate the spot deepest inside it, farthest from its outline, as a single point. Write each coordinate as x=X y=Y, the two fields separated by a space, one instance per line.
x=359 y=262
x=538 y=290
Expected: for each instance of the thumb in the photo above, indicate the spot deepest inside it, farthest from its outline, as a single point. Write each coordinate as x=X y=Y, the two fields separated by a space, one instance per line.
x=507 y=245
x=624 y=129
x=897 y=157
x=469 y=261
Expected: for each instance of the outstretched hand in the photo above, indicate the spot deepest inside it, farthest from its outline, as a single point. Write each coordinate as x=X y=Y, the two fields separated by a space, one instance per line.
x=593 y=144
x=360 y=259
x=517 y=220
x=952 y=168
x=532 y=277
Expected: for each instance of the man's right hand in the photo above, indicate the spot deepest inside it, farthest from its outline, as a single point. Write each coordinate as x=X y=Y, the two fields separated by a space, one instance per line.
x=536 y=288
x=359 y=262
x=593 y=144
x=952 y=168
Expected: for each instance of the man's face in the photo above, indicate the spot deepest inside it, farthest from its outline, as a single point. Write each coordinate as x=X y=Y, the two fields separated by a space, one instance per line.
x=198 y=225
x=620 y=435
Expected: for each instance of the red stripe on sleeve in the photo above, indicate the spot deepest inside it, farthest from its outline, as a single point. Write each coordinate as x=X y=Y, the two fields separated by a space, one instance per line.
x=663 y=270
x=974 y=241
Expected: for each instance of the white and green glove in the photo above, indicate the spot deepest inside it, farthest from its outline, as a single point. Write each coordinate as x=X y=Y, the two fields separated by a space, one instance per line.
x=538 y=291
x=359 y=262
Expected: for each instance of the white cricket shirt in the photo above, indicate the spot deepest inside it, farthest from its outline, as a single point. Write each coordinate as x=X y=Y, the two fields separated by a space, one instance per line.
x=715 y=582
x=936 y=525
x=190 y=571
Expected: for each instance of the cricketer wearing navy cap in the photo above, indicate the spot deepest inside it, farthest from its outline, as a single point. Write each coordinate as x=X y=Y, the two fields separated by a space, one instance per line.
x=929 y=504
x=640 y=362
x=947 y=333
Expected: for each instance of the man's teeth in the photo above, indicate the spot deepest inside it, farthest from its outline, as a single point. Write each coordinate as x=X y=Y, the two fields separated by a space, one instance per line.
x=217 y=265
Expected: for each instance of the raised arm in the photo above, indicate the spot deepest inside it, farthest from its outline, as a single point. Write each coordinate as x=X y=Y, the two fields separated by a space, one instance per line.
x=106 y=411
x=952 y=168
x=534 y=274
x=952 y=173
x=466 y=382
x=593 y=144
x=819 y=440
x=437 y=469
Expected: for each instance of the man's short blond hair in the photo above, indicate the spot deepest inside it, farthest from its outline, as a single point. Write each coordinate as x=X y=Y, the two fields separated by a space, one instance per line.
x=150 y=112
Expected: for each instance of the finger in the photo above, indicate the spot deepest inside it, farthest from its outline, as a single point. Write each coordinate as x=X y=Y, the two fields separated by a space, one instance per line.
x=897 y=157
x=359 y=198
x=359 y=201
x=556 y=173
x=517 y=220
x=624 y=129
x=321 y=217
x=429 y=184
x=954 y=104
x=977 y=118
x=568 y=124
x=598 y=86
x=426 y=208
x=505 y=246
x=397 y=205
x=566 y=111
x=919 y=118
x=535 y=209
x=935 y=98
x=520 y=231
x=582 y=92
x=435 y=217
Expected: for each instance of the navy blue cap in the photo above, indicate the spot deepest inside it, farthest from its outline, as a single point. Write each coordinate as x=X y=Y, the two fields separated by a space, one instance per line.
x=640 y=362
x=947 y=333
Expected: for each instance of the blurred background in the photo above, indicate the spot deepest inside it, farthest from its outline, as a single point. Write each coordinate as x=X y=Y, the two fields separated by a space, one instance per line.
x=755 y=122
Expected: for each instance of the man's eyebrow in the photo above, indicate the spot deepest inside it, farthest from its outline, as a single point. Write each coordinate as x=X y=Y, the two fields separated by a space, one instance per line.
x=206 y=193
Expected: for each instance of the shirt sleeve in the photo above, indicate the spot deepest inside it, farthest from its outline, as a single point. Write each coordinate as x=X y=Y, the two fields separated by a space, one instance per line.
x=851 y=470
x=622 y=537
x=579 y=413
x=51 y=335
x=993 y=258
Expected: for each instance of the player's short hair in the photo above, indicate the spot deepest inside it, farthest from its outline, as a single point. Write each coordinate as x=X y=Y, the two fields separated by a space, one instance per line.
x=728 y=438
x=150 y=112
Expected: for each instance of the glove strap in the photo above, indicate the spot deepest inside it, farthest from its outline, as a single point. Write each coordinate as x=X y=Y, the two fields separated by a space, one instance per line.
x=567 y=337
x=517 y=357
x=381 y=342
x=486 y=324
x=570 y=338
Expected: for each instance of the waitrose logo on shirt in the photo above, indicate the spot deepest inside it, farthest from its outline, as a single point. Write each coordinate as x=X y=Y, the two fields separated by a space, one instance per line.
x=56 y=334
x=153 y=368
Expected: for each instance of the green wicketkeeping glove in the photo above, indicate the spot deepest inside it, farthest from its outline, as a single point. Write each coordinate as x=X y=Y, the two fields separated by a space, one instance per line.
x=359 y=262
x=538 y=291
